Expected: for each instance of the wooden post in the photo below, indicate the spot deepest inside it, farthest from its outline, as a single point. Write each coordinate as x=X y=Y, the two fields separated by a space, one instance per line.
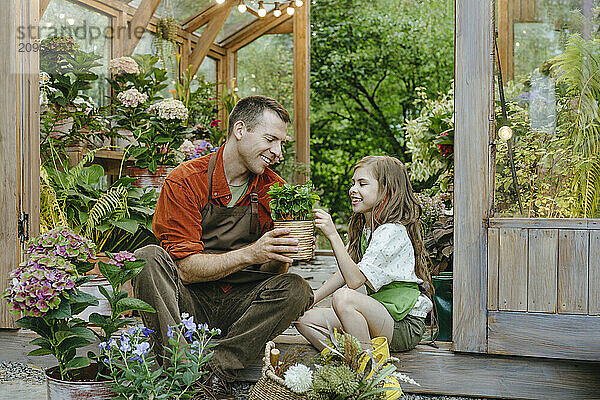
x=506 y=18
x=302 y=89
x=138 y=24
x=474 y=69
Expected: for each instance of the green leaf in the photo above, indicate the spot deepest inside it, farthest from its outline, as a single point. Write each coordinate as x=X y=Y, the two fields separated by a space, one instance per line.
x=83 y=332
x=188 y=378
x=62 y=312
x=73 y=342
x=129 y=303
x=41 y=342
x=77 y=362
x=110 y=272
x=129 y=225
x=97 y=319
x=39 y=352
x=35 y=324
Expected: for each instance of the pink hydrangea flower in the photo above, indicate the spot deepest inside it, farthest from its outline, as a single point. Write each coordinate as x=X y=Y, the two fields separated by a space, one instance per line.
x=125 y=65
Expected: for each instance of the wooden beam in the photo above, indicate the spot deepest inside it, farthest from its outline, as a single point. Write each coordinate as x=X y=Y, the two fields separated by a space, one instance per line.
x=254 y=30
x=301 y=27
x=208 y=36
x=286 y=27
x=43 y=6
x=474 y=69
x=205 y=16
x=137 y=25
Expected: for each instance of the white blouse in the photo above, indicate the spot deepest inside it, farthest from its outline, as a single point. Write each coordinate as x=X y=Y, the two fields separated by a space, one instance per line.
x=390 y=257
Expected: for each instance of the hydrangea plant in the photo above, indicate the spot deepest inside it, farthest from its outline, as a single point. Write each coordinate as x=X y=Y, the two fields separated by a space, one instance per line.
x=44 y=290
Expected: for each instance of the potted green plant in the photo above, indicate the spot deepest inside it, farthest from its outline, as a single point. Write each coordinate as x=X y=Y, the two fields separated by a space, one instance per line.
x=155 y=144
x=291 y=207
x=44 y=289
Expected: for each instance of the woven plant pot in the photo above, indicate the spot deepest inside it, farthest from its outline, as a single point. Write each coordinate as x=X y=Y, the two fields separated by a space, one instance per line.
x=270 y=386
x=304 y=231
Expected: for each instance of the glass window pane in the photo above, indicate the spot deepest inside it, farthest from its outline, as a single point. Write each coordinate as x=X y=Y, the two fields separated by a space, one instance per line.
x=147 y=45
x=549 y=55
x=178 y=9
x=89 y=29
x=234 y=22
x=266 y=67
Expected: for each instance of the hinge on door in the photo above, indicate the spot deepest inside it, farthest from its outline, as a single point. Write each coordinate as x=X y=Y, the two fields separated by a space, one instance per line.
x=23 y=230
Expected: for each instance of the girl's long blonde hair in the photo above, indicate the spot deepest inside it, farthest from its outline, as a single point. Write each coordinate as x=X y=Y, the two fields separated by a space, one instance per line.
x=396 y=203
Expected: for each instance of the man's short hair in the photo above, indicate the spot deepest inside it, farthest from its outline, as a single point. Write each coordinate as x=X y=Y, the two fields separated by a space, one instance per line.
x=250 y=110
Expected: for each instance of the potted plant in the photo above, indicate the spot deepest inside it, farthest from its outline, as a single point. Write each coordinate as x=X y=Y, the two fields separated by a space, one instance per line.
x=133 y=371
x=155 y=143
x=44 y=289
x=343 y=371
x=291 y=207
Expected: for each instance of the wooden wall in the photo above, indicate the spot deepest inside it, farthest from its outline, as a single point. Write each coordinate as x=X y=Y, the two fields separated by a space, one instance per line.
x=543 y=290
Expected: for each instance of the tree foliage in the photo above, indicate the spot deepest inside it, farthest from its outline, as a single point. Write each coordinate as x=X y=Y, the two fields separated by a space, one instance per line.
x=367 y=59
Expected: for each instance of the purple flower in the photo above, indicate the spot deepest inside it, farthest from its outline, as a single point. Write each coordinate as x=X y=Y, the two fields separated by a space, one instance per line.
x=189 y=324
x=125 y=344
x=146 y=331
x=170 y=331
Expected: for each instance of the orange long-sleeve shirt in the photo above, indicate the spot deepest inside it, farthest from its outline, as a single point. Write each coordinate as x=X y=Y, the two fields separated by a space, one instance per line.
x=177 y=217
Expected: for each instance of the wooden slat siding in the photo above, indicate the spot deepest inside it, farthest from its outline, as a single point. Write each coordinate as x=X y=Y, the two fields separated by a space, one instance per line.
x=594 y=279
x=440 y=371
x=209 y=34
x=545 y=223
x=512 y=270
x=542 y=270
x=254 y=30
x=143 y=15
x=473 y=87
x=302 y=89
x=492 y=278
x=572 y=337
x=9 y=247
x=573 y=252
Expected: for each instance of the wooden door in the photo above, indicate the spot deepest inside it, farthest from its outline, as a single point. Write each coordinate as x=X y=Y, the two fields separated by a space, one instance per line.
x=19 y=137
x=526 y=287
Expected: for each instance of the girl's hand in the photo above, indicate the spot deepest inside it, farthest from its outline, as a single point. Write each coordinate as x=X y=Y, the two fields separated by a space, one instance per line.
x=324 y=222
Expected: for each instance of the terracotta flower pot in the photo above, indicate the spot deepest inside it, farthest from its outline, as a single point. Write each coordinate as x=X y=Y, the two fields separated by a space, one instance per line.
x=83 y=389
x=304 y=231
x=147 y=179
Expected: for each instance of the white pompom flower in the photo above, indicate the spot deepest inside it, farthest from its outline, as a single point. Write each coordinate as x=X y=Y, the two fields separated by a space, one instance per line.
x=298 y=378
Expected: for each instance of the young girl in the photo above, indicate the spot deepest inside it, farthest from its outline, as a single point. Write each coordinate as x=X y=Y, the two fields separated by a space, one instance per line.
x=385 y=252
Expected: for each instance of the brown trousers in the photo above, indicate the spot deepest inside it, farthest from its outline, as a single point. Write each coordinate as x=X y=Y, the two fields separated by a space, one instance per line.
x=249 y=314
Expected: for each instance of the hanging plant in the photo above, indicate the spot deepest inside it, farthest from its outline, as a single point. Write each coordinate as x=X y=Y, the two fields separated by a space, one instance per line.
x=166 y=29
x=165 y=44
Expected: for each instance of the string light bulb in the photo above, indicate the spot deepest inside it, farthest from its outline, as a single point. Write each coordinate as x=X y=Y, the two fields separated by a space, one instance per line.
x=290 y=10
x=277 y=11
x=298 y=3
x=242 y=6
x=505 y=133
x=220 y=1
x=261 y=9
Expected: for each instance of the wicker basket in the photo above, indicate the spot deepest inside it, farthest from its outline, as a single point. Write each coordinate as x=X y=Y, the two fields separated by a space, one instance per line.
x=270 y=386
x=304 y=231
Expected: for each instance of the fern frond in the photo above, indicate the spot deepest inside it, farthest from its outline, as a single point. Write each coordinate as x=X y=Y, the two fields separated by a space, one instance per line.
x=112 y=203
x=73 y=174
x=51 y=214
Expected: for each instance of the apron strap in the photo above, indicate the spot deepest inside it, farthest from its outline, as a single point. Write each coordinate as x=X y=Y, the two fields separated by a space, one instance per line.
x=254 y=221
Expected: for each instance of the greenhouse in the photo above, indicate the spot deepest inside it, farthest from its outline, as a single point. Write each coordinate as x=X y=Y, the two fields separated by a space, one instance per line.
x=300 y=199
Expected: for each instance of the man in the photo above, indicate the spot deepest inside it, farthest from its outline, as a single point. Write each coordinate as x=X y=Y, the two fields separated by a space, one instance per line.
x=220 y=261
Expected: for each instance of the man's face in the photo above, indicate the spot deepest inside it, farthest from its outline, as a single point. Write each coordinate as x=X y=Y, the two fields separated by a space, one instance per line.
x=262 y=146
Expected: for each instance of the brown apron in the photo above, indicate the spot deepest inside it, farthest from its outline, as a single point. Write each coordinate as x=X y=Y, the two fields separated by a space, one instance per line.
x=230 y=228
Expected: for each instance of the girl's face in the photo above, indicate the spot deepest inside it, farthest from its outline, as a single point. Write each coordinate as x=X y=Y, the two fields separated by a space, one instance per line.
x=364 y=190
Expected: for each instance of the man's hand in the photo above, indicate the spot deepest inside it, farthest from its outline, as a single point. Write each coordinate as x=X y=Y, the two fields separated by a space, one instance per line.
x=271 y=244
x=324 y=222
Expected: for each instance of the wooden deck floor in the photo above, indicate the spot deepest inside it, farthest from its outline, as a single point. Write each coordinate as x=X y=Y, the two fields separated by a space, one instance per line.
x=439 y=371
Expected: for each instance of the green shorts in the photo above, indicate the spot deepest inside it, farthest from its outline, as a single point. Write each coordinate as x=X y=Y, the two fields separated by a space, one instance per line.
x=408 y=332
